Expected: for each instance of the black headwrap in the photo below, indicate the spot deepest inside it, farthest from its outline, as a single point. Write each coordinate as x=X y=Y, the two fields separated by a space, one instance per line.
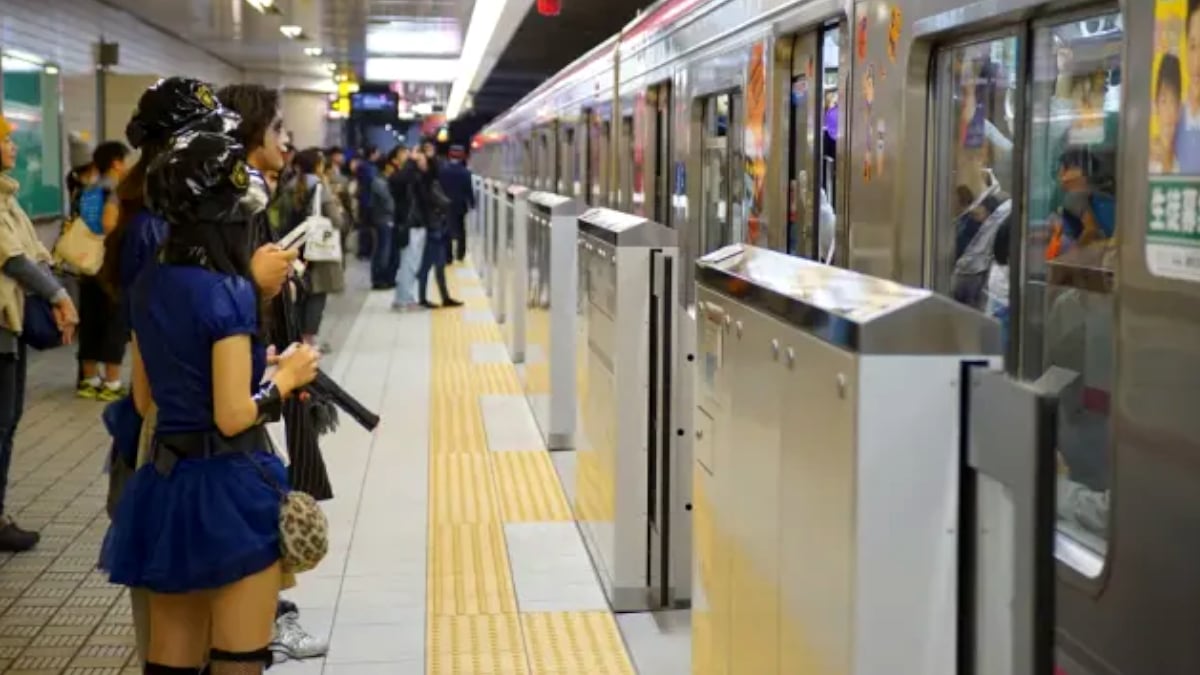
x=174 y=105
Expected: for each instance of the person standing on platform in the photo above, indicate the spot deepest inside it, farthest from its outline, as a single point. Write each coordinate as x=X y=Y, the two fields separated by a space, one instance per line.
x=455 y=178
x=262 y=134
x=102 y=330
x=430 y=205
x=364 y=177
x=383 y=219
x=24 y=272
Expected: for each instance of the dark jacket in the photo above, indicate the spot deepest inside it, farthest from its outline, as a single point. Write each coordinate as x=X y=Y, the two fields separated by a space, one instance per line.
x=366 y=175
x=455 y=178
x=383 y=206
x=398 y=186
x=428 y=204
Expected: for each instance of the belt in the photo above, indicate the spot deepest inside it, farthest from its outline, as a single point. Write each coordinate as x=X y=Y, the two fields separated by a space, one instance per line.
x=170 y=448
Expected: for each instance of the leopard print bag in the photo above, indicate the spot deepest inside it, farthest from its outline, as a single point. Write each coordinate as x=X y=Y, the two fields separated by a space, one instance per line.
x=303 y=528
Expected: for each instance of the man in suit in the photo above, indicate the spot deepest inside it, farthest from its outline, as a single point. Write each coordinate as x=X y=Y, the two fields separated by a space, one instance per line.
x=455 y=178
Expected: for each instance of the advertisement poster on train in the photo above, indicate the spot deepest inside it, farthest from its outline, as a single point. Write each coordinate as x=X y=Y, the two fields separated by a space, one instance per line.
x=1173 y=223
x=755 y=140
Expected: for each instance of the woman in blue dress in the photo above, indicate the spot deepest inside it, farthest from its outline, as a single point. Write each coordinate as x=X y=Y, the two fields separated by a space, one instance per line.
x=198 y=526
x=166 y=109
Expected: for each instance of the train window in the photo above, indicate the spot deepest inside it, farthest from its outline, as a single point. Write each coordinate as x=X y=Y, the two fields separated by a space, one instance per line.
x=595 y=149
x=566 y=170
x=1066 y=312
x=662 y=153
x=720 y=160
x=814 y=129
x=627 y=167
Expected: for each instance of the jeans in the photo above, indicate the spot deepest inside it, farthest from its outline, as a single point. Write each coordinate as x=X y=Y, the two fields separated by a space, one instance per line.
x=410 y=262
x=433 y=257
x=381 y=258
x=12 y=406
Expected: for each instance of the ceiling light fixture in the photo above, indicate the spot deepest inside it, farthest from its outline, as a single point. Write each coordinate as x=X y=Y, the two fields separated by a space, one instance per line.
x=488 y=20
x=264 y=6
x=291 y=31
x=331 y=66
x=313 y=51
x=389 y=69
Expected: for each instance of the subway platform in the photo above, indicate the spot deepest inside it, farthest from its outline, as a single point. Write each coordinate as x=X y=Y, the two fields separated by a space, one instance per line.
x=453 y=549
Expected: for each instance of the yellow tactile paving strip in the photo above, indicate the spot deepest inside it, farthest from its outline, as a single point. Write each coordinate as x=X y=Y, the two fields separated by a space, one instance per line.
x=527 y=487
x=473 y=624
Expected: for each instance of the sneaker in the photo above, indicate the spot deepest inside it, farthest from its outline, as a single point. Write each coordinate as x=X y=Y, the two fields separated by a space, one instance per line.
x=293 y=642
x=109 y=392
x=428 y=305
x=452 y=303
x=88 y=390
x=15 y=540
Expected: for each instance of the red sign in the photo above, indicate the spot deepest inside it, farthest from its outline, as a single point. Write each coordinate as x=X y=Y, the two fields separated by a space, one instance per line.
x=549 y=7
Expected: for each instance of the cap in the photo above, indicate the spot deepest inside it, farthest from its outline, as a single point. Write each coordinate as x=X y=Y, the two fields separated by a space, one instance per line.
x=457 y=152
x=201 y=178
x=173 y=105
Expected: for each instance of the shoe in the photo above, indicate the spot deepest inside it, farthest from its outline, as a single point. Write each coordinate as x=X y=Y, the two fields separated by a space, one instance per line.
x=285 y=606
x=452 y=303
x=15 y=540
x=293 y=642
x=109 y=394
x=87 y=390
x=428 y=305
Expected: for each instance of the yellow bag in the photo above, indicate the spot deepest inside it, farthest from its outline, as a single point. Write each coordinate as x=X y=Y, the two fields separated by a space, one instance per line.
x=79 y=248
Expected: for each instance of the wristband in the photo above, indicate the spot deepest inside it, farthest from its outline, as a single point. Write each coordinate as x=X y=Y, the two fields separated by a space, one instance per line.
x=269 y=403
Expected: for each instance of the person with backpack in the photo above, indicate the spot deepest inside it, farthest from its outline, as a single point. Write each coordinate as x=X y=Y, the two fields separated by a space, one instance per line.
x=103 y=332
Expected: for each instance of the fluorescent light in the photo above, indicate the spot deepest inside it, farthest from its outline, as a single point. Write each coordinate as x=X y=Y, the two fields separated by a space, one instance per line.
x=485 y=20
x=16 y=64
x=314 y=51
x=414 y=38
x=262 y=6
x=291 y=31
x=390 y=69
x=331 y=66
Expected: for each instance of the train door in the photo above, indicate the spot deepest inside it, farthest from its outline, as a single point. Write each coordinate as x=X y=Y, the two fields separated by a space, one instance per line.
x=1025 y=228
x=812 y=158
x=722 y=171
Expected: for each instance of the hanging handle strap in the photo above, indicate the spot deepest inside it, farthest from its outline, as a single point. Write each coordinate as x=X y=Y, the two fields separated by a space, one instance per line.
x=316 y=199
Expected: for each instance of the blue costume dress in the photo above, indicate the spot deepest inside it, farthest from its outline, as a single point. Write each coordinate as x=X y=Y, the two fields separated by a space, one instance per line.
x=204 y=522
x=144 y=235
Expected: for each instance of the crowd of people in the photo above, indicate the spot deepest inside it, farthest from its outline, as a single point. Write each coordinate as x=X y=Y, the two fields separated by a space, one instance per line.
x=221 y=317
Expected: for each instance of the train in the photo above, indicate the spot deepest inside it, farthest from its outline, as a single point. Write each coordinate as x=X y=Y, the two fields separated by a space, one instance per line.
x=1028 y=159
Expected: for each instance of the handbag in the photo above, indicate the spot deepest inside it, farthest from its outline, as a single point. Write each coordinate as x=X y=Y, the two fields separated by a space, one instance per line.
x=324 y=242
x=79 y=248
x=39 y=330
x=303 y=527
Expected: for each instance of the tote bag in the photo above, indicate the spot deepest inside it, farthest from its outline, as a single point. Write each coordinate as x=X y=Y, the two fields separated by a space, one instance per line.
x=324 y=241
x=79 y=248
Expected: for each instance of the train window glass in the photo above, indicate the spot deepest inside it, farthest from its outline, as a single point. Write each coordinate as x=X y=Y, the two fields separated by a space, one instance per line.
x=606 y=169
x=830 y=95
x=717 y=185
x=566 y=171
x=975 y=166
x=662 y=154
x=628 y=166
x=803 y=95
x=595 y=142
x=1070 y=249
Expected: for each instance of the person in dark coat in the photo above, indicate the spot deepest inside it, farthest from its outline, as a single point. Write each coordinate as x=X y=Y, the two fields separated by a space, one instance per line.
x=430 y=206
x=455 y=178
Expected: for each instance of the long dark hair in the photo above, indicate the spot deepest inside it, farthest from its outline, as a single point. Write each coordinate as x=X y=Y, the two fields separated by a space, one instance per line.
x=307 y=162
x=131 y=200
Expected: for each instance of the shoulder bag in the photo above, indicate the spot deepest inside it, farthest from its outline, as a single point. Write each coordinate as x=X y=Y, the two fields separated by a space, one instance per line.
x=324 y=241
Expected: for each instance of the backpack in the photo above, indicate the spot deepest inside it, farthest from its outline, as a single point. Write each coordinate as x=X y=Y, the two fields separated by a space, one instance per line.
x=91 y=207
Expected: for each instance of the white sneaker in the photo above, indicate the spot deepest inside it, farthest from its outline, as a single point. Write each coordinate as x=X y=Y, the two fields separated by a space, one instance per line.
x=293 y=642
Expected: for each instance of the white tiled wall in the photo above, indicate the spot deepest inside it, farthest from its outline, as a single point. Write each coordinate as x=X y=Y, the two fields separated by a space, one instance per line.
x=65 y=32
x=305 y=114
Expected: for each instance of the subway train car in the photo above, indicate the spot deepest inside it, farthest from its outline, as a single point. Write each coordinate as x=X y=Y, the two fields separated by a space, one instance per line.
x=1026 y=158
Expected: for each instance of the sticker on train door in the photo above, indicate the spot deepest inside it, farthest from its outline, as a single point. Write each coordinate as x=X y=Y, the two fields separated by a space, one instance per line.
x=894 y=28
x=1173 y=211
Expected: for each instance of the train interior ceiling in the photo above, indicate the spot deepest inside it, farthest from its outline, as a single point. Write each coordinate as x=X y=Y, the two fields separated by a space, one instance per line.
x=989 y=151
